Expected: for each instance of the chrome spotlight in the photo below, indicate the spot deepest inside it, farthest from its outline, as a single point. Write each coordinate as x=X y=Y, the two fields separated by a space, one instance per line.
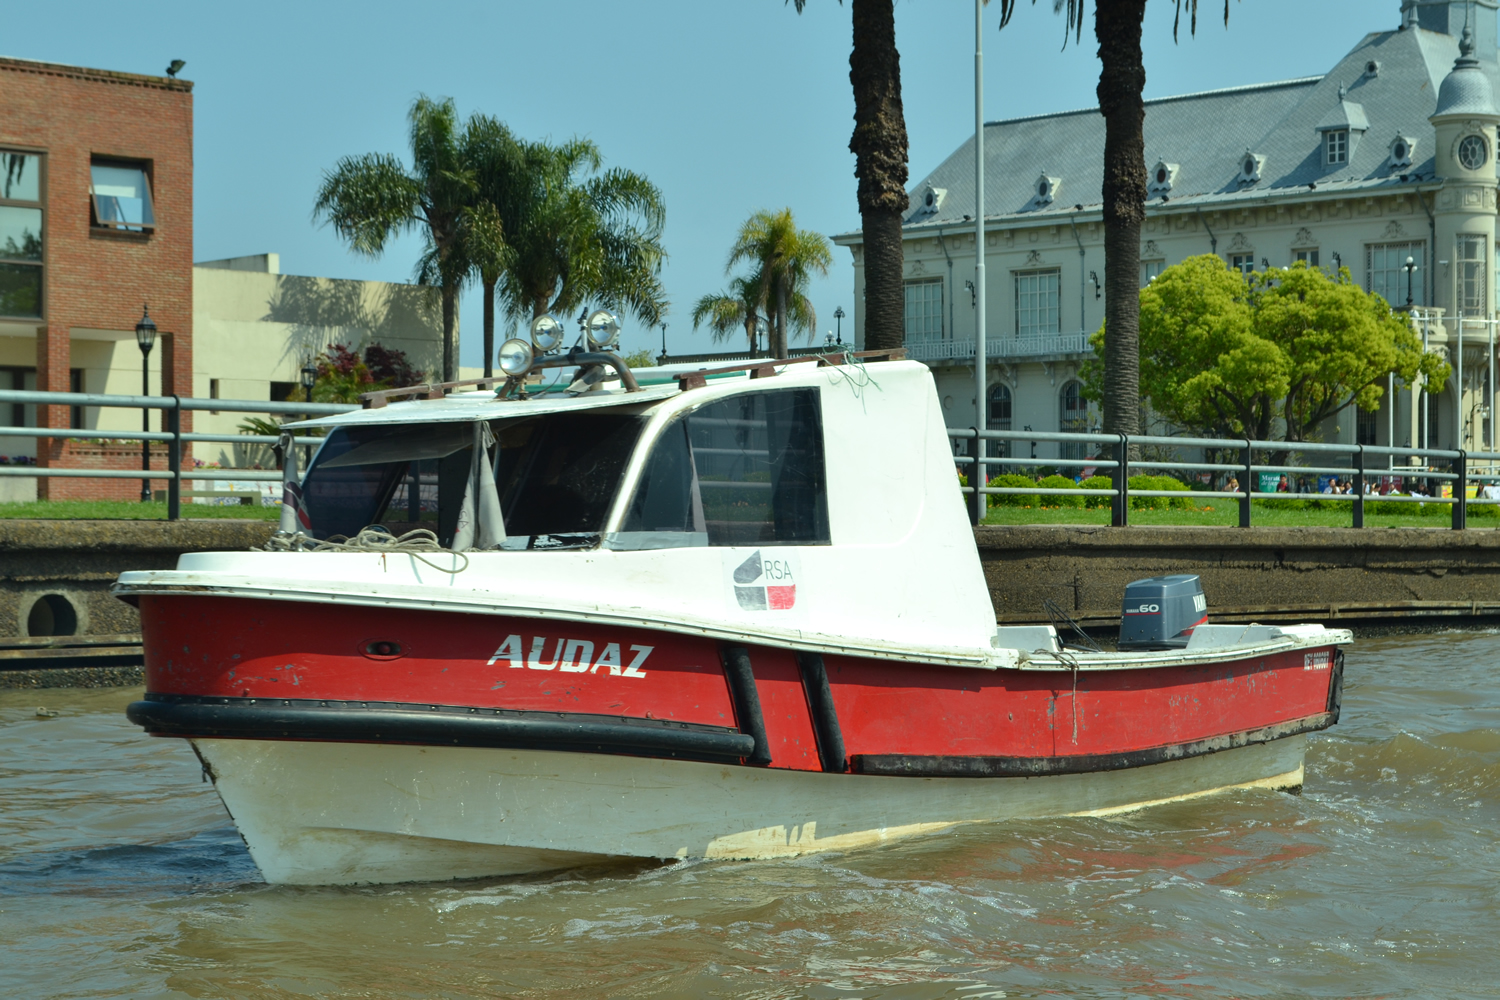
x=603 y=329
x=515 y=357
x=546 y=333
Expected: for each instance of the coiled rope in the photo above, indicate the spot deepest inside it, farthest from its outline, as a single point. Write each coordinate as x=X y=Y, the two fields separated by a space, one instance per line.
x=373 y=538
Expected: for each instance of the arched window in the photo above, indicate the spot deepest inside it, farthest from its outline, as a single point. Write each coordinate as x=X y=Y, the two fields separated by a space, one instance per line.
x=998 y=419
x=1073 y=418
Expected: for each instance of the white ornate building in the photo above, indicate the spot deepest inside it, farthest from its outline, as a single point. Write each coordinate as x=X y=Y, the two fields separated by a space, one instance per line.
x=1391 y=155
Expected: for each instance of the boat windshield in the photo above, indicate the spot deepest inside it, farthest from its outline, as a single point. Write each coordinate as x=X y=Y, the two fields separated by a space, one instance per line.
x=556 y=475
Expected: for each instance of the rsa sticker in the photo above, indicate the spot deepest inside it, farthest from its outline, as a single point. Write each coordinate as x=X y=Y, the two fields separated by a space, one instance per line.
x=571 y=656
x=1316 y=661
x=766 y=581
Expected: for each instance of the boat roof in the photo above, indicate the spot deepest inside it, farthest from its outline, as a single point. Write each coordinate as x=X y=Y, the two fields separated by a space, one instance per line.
x=656 y=385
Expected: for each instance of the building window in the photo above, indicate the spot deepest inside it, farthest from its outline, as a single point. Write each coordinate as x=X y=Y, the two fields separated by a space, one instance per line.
x=122 y=196
x=1473 y=151
x=1385 y=271
x=1336 y=143
x=998 y=419
x=1036 y=303
x=24 y=414
x=1473 y=269
x=1308 y=257
x=924 y=310
x=1365 y=423
x=285 y=392
x=1243 y=263
x=1150 y=269
x=20 y=235
x=1073 y=418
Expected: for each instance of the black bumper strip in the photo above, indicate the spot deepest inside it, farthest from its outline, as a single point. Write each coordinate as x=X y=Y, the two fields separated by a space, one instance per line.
x=825 y=717
x=746 y=698
x=436 y=725
x=914 y=766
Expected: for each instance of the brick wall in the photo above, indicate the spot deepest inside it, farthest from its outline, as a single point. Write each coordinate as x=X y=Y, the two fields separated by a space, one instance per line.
x=97 y=279
x=101 y=455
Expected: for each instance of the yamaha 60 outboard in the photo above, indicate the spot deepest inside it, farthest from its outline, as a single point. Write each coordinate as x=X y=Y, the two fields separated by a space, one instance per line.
x=1161 y=612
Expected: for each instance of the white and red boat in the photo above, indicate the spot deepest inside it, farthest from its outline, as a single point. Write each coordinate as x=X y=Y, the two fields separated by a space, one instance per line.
x=733 y=614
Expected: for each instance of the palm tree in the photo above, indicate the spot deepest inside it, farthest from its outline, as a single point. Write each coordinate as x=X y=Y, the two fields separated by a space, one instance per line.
x=581 y=235
x=724 y=312
x=371 y=198
x=879 y=148
x=784 y=258
x=499 y=162
x=1122 y=82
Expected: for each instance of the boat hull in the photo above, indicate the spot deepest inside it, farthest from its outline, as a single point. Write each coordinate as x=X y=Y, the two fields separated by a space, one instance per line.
x=342 y=813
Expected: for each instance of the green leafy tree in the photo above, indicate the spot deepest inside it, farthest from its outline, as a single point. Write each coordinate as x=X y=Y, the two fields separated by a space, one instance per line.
x=738 y=308
x=783 y=259
x=1271 y=356
x=580 y=234
x=372 y=198
x=640 y=359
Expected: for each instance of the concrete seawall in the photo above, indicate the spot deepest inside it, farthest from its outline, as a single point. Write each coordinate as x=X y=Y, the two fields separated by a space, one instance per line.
x=1314 y=574
x=66 y=567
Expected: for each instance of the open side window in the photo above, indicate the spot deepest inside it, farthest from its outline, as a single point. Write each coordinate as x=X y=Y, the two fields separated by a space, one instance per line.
x=745 y=470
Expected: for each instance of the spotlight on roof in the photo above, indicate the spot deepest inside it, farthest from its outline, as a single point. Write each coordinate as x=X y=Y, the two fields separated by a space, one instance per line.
x=175 y=67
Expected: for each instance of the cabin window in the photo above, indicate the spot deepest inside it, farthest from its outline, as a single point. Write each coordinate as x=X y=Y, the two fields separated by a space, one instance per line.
x=746 y=470
x=557 y=475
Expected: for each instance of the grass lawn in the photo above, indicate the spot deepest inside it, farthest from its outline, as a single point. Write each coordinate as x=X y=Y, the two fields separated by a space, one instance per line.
x=1227 y=512
x=129 y=510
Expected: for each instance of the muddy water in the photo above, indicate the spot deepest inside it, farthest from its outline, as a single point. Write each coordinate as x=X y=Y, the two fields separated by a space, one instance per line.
x=121 y=876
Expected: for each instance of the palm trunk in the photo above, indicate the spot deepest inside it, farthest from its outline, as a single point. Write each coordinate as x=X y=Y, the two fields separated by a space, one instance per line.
x=880 y=149
x=1117 y=25
x=778 y=328
x=489 y=328
x=750 y=332
x=450 y=326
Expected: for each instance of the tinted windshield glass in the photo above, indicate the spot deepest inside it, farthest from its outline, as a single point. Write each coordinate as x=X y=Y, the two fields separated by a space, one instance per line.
x=745 y=470
x=556 y=474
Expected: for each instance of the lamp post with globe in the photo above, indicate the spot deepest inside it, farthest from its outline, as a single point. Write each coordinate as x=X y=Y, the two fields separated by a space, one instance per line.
x=145 y=336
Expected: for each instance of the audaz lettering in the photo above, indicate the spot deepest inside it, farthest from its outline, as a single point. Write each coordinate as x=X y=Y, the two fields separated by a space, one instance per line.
x=572 y=656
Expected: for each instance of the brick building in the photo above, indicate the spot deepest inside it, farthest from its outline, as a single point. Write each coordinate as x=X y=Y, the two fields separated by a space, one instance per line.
x=96 y=219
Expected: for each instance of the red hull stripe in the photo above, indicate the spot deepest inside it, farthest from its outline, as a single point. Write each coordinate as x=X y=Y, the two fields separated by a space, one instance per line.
x=433 y=725
x=897 y=765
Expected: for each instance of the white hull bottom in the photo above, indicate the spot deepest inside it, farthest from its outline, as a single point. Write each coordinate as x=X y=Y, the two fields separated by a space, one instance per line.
x=340 y=813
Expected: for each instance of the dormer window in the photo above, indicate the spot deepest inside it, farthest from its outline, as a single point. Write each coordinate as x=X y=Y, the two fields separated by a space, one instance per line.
x=1161 y=178
x=1336 y=146
x=1043 y=191
x=1402 y=149
x=1251 y=165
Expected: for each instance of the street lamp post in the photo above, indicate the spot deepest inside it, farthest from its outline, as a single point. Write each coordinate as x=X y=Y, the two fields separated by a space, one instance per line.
x=1411 y=265
x=145 y=336
x=309 y=379
x=838 y=317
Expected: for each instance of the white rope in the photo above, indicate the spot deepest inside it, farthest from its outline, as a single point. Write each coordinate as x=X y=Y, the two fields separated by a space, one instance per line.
x=373 y=538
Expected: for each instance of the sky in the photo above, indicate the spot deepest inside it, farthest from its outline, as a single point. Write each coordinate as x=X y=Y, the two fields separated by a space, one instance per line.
x=728 y=106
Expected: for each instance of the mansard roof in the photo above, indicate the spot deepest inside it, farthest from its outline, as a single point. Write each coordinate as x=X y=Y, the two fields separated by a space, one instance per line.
x=1391 y=79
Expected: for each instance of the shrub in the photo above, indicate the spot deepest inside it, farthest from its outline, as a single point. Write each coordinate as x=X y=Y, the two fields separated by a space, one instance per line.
x=1010 y=479
x=1397 y=507
x=1484 y=510
x=1098 y=483
x=1281 y=503
x=1158 y=503
x=1059 y=483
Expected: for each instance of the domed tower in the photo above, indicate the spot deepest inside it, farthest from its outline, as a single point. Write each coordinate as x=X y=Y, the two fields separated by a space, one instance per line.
x=1466 y=121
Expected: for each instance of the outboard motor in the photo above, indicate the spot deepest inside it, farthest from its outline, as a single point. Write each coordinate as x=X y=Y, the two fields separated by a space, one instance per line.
x=1161 y=612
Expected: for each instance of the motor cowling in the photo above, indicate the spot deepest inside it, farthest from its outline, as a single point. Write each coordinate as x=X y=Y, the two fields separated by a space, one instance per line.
x=1161 y=612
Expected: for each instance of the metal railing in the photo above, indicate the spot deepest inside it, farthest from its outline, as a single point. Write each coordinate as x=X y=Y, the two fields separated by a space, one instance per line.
x=172 y=408
x=1115 y=450
x=1000 y=347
